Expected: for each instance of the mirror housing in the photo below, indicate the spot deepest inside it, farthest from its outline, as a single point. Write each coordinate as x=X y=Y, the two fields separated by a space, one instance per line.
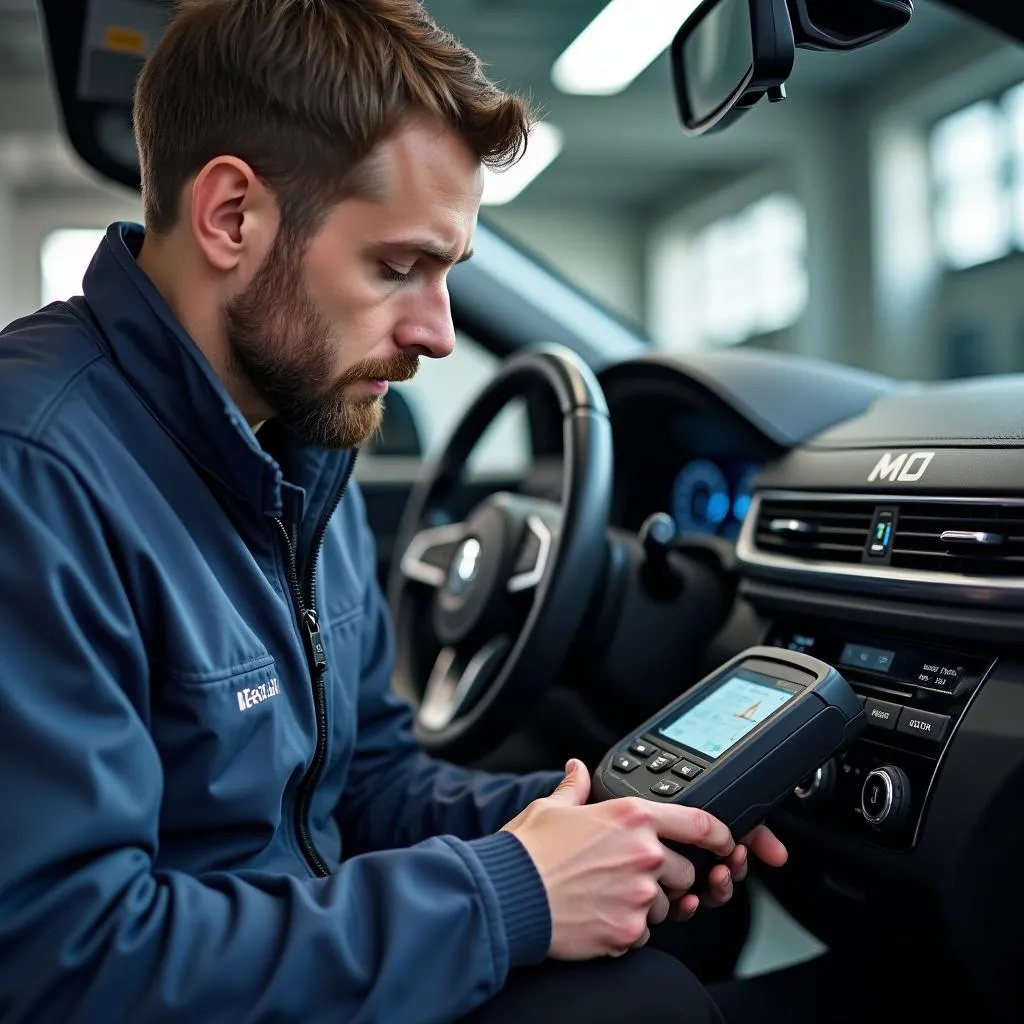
x=846 y=24
x=761 y=51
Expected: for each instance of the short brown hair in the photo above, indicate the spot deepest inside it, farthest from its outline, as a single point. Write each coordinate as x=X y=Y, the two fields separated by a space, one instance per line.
x=302 y=91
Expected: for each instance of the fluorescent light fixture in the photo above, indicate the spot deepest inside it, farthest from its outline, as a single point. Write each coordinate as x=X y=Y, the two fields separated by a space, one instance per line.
x=624 y=39
x=503 y=186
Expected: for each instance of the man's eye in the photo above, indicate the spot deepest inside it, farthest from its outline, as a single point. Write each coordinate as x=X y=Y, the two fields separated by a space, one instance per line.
x=391 y=274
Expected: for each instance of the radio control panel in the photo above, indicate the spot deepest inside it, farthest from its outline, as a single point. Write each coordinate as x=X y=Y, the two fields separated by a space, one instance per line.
x=914 y=695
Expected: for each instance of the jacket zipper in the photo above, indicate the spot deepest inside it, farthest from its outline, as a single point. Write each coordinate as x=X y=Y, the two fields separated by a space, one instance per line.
x=304 y=602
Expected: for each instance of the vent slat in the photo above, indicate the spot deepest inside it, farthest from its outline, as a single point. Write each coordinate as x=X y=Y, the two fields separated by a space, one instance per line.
x=839 y=533
x=917 y=544
x=839 y=529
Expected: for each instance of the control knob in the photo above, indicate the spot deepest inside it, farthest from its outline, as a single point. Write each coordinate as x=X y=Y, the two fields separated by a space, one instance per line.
x=885 y=797
x=817 y=788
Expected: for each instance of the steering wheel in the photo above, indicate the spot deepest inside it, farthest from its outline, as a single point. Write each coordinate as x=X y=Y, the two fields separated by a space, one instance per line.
x=486 y=608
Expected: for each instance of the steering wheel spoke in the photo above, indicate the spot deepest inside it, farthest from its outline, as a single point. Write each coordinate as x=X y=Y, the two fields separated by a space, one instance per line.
x=456 y=680
x=532 y=557
x=429 y=553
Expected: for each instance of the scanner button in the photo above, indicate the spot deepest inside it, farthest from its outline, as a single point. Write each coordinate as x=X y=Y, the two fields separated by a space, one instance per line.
x=643 y=749
x=925 y=724
x=666 y=787
x=881 y=714
x=688 y=771
x=661 y=762
x=625 y=763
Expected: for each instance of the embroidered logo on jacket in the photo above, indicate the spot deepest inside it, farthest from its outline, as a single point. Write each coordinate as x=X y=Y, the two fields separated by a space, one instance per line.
x=253 y=695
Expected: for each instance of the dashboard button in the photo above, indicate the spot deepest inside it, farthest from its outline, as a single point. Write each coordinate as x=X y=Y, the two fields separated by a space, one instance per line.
x=687 y=771
x=881 y=714
x=643 y=748
x=885 y=797
x=666 y=787
x=923 y=724
x=661 y=762
x=624 y=763
x=876 y=796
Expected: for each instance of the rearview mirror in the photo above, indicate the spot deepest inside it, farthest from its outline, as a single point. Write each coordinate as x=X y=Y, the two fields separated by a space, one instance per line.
x=730 y=53
x=726 y=56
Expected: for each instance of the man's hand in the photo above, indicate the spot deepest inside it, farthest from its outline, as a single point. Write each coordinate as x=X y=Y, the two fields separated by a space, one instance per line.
x=682 y=905
x=607 y=874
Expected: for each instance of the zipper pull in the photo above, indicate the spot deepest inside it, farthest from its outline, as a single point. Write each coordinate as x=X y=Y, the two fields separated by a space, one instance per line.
x=314 y=645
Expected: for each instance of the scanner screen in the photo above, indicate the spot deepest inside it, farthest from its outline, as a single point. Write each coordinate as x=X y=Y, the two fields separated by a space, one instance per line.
x=728 y=713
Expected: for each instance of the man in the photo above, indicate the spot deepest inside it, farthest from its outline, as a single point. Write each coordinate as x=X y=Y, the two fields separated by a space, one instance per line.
x=214 y=810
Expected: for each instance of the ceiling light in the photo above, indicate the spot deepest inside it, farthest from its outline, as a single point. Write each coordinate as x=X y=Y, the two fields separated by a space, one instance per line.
x=544 y=145
x=626 y=37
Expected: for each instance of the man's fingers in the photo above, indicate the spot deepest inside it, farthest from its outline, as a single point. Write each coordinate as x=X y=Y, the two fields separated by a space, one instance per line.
x=659 y=909
x=684 y=908
x=574 y=789
x=738 y=863
x=677 y=873
x=692 y=827
x=720 y=887
x=764 y=845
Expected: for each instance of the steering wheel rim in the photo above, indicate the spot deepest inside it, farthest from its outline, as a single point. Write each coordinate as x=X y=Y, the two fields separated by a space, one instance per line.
x=566 y=579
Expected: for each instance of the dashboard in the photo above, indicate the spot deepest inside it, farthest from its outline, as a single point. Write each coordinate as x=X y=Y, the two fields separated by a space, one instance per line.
x=879 y=526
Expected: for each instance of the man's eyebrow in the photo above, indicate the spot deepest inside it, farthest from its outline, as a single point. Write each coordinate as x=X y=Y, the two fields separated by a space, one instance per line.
x=432 y=250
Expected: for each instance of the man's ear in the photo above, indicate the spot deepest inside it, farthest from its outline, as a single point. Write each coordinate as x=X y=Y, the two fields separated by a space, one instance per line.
x=234 y=216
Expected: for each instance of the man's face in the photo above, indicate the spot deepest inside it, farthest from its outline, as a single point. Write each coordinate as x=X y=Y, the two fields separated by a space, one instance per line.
x=323 y=327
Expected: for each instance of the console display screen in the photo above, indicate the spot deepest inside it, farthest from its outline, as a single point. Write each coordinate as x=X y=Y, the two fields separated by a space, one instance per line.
x=728 y=713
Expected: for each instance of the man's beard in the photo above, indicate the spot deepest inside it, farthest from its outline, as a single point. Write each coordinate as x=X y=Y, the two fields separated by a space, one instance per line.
x=279 y=341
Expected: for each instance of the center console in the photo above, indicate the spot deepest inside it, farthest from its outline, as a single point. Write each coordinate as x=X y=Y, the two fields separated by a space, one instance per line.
x=915 y=695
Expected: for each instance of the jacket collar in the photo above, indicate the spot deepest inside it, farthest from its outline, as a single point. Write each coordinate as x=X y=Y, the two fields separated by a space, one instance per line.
x=180 y=388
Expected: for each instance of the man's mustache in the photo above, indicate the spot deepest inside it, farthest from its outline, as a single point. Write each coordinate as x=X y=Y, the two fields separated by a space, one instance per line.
x=396 y=369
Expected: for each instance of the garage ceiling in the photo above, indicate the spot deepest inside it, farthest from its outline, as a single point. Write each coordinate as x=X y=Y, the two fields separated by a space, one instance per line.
x=621 y=152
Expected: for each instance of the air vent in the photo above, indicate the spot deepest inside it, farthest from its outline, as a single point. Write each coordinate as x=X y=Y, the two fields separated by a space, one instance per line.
x=963 y=538
x=814 y=530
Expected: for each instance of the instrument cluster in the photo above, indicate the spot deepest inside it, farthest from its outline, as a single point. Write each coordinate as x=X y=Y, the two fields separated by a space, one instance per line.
x=711 y=496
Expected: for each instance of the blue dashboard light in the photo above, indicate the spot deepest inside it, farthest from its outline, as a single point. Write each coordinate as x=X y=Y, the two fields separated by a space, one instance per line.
x=700 y=497
x=718 y=507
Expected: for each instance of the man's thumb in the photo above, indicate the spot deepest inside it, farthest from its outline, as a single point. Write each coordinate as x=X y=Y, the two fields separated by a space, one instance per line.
x=574 y=789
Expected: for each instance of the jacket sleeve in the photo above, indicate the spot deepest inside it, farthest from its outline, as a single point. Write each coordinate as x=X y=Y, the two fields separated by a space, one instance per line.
x=90 y=927
x=396 y=795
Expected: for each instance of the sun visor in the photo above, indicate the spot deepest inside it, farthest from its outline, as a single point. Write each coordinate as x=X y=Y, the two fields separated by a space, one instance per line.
x=117 y=37
x=96 y=49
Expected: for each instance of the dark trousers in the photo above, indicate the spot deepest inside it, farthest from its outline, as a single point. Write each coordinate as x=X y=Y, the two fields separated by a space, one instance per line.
x=651 y=986
x=646 y=986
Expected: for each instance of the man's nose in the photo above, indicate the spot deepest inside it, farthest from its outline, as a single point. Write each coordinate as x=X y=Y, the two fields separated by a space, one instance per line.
x=428 y=330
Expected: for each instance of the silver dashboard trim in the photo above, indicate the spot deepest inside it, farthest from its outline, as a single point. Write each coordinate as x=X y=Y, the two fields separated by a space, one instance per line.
x=878 y=579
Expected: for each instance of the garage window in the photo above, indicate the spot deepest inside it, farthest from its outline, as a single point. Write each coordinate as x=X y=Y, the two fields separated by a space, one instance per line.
x=749 y=271
x=977 y=157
